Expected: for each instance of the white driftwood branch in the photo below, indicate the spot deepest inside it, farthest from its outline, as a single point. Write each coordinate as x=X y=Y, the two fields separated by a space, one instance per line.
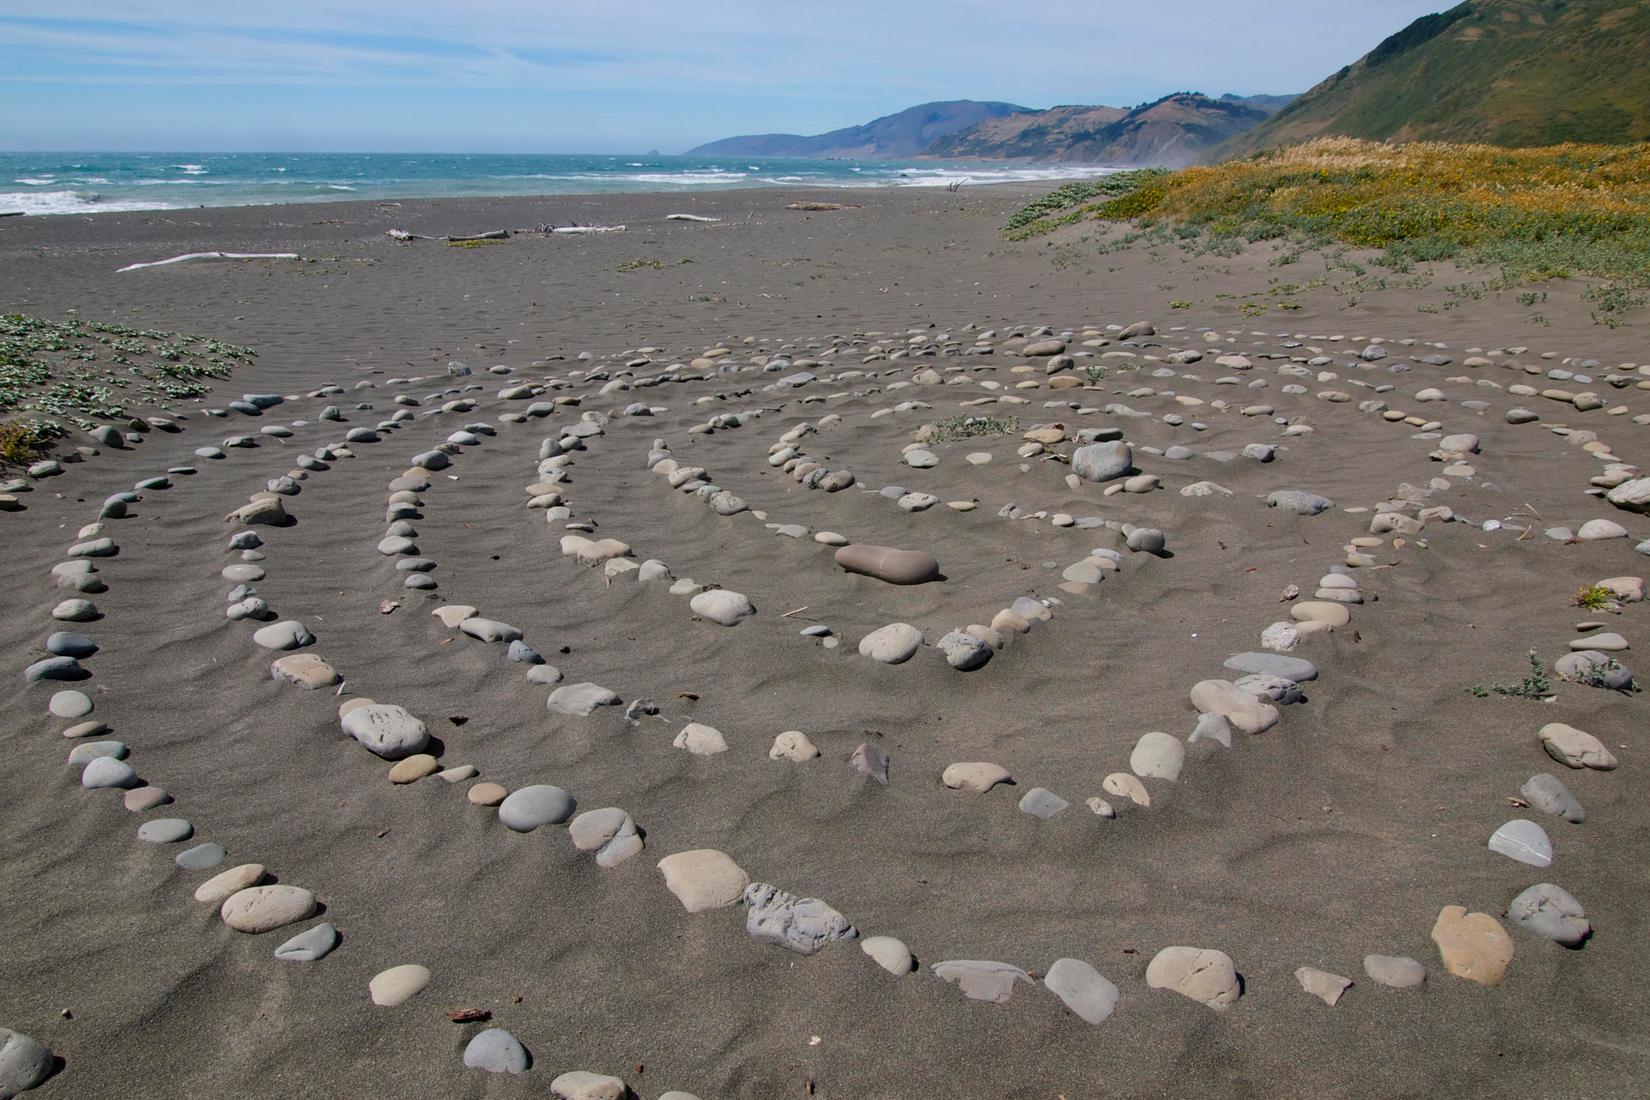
x=199 y=257
x=490 y=235
x=588 y=229
x=689 y=218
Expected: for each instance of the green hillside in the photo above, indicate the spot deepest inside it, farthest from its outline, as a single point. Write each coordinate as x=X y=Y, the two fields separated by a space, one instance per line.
x=1500 y=72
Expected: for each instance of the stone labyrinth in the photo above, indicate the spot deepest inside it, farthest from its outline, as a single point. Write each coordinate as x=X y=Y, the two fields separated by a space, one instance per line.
x=1116 y=416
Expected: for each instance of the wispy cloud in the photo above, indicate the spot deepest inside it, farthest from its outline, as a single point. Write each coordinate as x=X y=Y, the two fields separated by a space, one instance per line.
x=705 y=70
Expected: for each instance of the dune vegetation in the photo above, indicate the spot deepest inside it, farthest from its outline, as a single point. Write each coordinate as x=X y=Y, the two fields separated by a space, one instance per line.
x=1536 y=213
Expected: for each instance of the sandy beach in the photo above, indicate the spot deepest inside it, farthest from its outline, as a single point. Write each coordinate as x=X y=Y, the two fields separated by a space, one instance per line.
x=1339 y=832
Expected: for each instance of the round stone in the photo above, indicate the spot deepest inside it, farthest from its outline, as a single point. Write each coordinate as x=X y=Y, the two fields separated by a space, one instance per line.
x=531 y=807
x=398 y=984
x=165 y=830
x=1082 y=989
x=1550 y=911
x=24 y=1063
x=289 y=634
x=1158 y=756
x=496 y=1051
x=890 y=954
x=892 y=644
x=487 y=794
x=414 y=768
x=106 y=771
x=70 y=704
x=1202 y=974
x=262 y=908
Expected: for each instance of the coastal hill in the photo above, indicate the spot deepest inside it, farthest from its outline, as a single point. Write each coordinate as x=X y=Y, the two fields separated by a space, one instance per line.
x=1500 y=72
x=1171 y=132
x=904 y=134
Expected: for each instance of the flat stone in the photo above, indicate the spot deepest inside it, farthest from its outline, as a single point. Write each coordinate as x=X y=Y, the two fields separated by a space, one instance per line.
x=1041 y=803
x=453 y=614
x=530 y=807
x=263 y=908
x=1394 y=971
x=289 y=634
x=1158 y=756
x=583 y=1085
x=489 y=630
x=54 y=668
x=398 y=984
x=886 y=563
x=703 y=878
x=1274 y=664
x=220 y=887
x=1204 y=975
x=580 y=699
x=201 y=857
x=143 y=799
x=1247 y=713
x=70 y=704
x=978 y=777
x=309 y=946
x=890 y=954
x=487 y=794
x=1576 y=748
x=1212 y=727
x=1124 y=785
x=496 y=1051
x=1548 y=794
x=982 y=980
x=304 y=670
x=1320 y=611
x=1323 y=985
x=387 y=730
x=1082 y=989
x=1550 y=911
x=1473 y=945
x=413 y=768
x=1524 y=841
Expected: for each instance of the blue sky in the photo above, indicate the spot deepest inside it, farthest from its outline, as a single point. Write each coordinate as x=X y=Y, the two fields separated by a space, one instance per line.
x=606 y=76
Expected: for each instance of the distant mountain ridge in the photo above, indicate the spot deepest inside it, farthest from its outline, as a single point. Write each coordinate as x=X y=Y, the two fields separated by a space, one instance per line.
x=904 y=134
x=1171 y=132
x=1501 y=72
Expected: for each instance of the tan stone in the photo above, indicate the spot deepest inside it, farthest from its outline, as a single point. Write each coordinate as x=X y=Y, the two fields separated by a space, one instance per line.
x=487 y=794
x=1473 y=945
x=413 y=768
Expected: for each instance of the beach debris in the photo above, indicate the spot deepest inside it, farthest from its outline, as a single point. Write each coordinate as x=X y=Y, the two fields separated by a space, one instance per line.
x=205 y=257
x=587 y=229
x=689 y=218
x=810 y=205
x=490 y=235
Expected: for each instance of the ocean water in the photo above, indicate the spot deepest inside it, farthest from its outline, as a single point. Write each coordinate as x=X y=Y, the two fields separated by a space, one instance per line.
x=89 y=183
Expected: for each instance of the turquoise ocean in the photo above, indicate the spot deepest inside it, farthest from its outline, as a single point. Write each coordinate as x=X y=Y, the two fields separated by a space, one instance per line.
x=86 y=183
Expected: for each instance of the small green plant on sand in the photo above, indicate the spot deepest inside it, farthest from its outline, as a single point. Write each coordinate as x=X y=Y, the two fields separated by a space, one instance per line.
x=1094 y=375
x=1595 y=597
x=1535 y=685
x=637 y=265
x=972 y=427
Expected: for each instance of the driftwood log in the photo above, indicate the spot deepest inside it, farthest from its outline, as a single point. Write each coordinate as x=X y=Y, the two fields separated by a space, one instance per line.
x=203 y=257
x=490 y=235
